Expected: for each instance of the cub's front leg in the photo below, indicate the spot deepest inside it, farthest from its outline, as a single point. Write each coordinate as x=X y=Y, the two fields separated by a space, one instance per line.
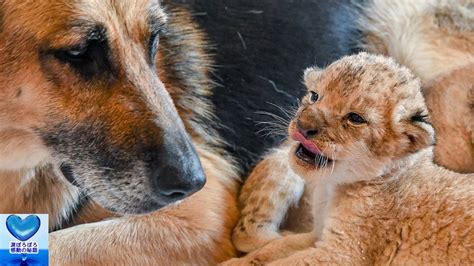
x=276 y=250
x=269 y=191
x=320 y=256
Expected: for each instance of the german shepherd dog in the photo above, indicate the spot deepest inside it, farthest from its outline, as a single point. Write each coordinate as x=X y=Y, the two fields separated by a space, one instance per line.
x=106 y=110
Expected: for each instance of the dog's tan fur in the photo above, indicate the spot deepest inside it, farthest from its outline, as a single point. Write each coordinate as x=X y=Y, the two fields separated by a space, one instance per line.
x=382 y=200
x=436 y=40
x=187 y=233
x=31 y=180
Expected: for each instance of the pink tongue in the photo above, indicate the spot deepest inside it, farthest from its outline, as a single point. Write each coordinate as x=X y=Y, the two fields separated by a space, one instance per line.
x=308 y=144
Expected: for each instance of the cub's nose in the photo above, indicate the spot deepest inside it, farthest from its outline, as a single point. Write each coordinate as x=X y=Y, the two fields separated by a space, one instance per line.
x=307 y=131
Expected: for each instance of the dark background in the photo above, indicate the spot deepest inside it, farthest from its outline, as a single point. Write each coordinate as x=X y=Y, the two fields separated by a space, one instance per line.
x=261 y=48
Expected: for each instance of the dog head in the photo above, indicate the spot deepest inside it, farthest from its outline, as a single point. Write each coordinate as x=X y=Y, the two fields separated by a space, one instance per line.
x=79 y=88
x=362 y=113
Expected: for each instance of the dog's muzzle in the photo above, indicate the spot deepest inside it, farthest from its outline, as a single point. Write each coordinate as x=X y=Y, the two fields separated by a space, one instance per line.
x=178 y=173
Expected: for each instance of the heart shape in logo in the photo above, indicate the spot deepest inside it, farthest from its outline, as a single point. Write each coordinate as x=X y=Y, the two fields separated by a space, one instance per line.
x=23 y=229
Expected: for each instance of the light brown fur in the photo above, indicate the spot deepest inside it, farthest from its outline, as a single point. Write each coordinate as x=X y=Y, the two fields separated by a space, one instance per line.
x=451 y=103
x=435 y=39
x=127 y=108
x=265 y=199
x=381 y=200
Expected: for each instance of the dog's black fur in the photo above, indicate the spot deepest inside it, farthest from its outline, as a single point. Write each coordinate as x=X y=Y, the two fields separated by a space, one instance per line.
x=261 y=48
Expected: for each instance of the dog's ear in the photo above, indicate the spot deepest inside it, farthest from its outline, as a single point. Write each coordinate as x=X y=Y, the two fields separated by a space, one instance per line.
x=311 y=76
x=418 y=131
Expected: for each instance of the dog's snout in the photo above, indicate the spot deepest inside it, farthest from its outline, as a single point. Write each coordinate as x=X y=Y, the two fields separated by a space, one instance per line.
x=177 y=174
x=176 y=181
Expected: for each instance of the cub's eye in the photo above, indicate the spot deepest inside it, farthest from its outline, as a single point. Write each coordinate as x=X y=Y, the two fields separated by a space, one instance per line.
x=313 y=97
x=355 y=119
x=420 y=117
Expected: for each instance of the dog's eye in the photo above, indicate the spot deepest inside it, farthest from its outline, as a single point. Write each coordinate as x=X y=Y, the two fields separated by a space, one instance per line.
x=74 y=54
x=356 y=119
x=313 y=97
x=82 y=58
x=88 y=59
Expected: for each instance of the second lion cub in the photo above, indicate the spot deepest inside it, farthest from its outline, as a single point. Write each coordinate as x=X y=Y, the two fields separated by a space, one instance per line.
x=363 y=141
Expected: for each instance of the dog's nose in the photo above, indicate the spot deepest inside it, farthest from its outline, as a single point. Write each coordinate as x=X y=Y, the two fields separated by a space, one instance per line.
x=177 y=180
x=177 y=172
x=307 y=131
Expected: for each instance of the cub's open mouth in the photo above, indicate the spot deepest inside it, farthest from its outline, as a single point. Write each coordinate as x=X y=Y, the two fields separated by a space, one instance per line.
x=311 y=158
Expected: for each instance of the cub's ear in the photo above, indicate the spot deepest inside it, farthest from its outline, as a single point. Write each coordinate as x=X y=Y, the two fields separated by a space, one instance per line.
x=419 y=132
x=311 y=76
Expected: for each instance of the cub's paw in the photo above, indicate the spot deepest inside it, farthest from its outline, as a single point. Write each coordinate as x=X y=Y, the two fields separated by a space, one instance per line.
x=242 y=262
x=247 y=242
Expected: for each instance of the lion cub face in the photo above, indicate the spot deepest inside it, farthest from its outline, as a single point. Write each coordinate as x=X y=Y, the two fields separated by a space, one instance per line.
x=361 y=114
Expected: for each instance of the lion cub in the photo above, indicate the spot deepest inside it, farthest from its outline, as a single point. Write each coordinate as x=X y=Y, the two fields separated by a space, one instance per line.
x=363 y=142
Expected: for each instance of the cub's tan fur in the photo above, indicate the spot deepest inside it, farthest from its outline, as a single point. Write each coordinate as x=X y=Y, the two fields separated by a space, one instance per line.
x=434 y=38
x=265 y=199
x=377 y=196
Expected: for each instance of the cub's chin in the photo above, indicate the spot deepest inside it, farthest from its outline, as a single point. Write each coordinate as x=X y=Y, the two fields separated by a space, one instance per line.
x=306 y=163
